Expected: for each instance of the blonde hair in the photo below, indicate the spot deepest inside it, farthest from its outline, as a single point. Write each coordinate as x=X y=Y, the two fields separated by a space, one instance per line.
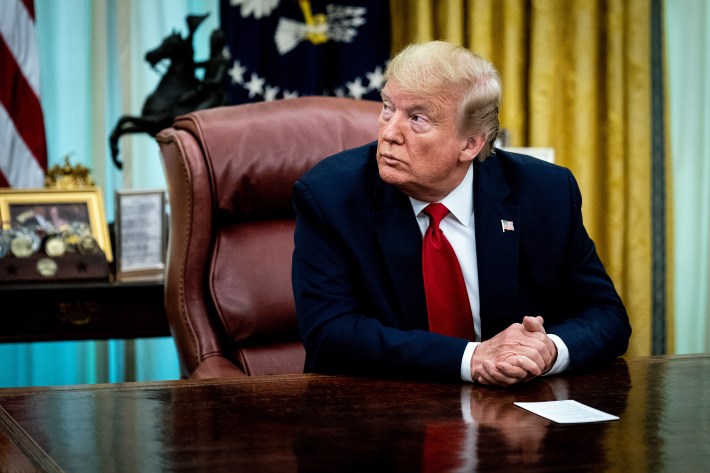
x=440 y=67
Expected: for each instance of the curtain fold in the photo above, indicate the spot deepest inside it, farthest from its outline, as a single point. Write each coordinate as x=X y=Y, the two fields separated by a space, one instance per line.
x=576 y=77
x=687 y=26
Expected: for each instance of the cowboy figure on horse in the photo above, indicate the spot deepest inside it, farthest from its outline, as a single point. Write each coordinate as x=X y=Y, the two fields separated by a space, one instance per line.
x=179 y=90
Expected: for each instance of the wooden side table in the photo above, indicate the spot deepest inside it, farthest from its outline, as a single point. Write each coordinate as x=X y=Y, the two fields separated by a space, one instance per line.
x=81 y=310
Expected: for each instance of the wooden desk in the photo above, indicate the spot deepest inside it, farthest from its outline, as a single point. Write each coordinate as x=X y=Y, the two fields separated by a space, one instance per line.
x=335 y=424
x=81 y=311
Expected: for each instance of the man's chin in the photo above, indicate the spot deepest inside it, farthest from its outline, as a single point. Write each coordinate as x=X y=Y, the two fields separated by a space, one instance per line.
x=390 y=174
x=397 y=178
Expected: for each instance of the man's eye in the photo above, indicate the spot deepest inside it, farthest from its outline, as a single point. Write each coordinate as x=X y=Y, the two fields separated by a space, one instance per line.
x=418 y=119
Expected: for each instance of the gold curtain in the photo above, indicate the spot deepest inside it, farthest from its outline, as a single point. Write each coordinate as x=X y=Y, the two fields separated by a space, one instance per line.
x=576 y=77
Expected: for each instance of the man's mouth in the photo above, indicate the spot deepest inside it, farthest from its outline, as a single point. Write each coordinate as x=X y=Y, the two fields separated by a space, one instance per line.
x=389 y=158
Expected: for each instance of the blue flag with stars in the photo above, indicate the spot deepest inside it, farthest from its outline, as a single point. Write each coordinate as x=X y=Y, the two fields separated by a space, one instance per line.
x=288 y=48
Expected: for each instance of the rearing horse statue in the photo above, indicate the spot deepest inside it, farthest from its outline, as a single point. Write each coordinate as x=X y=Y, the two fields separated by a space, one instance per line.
x=166 y=101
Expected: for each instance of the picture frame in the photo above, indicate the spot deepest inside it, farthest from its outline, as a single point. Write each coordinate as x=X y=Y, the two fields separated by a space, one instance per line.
x=56 y=207
x=141 y=234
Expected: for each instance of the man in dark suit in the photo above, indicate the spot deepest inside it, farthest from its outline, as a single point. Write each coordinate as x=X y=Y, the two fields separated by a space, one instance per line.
x=537 y=299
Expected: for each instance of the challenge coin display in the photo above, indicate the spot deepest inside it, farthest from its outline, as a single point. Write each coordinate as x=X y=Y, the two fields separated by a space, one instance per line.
x=47 y=267
x=34 y=253
x=54 y=246
x=21 y=245
x=88 y=245
x=71 y=240
x=53 y=234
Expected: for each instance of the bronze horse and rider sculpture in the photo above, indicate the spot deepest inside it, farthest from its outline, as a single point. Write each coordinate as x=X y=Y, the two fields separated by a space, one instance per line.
x=179 y=90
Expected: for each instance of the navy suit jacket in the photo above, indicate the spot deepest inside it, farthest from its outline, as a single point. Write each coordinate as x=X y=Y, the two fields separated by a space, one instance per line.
x=357 y=273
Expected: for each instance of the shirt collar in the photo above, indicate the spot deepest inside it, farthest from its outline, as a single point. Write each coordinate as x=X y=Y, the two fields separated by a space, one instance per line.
x=459 y=201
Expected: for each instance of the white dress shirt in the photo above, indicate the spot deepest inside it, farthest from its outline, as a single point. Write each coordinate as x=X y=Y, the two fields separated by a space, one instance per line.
x=460 y=230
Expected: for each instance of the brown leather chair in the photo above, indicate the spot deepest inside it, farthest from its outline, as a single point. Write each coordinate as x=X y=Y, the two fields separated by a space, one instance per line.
x=229 y=172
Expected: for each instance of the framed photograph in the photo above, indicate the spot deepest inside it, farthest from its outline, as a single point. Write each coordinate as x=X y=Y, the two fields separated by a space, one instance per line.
x=140 y=234
x=54 y=209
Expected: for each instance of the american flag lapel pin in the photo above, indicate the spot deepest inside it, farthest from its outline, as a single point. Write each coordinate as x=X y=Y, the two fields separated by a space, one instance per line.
x=507 y=225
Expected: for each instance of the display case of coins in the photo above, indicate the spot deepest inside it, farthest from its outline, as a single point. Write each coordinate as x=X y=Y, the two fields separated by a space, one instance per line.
x=70 y=252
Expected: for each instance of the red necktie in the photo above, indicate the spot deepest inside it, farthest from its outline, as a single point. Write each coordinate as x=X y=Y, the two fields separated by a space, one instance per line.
x=446 y=298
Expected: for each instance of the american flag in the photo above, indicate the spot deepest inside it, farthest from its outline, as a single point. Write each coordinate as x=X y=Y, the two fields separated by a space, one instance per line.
x=23 y=149
x=507 y=225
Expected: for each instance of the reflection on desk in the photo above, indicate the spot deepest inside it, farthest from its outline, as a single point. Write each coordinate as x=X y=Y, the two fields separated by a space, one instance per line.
x=331 y=423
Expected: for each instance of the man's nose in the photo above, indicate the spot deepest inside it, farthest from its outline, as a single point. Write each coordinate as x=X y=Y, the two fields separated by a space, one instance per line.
x=391 y=129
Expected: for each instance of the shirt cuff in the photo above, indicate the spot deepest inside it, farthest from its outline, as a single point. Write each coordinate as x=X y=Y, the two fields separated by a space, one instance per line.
x=562 y=361
x=466 y=361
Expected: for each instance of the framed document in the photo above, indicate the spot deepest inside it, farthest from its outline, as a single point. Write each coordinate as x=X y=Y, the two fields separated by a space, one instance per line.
x=76 y=213
x=140 y=234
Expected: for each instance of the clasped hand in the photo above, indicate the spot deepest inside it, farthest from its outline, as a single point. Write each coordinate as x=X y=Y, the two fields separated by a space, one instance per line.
x=519 y=353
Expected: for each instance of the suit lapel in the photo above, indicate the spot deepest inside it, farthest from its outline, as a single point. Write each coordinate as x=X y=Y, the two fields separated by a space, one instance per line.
x=497 y=251
x=401 y=243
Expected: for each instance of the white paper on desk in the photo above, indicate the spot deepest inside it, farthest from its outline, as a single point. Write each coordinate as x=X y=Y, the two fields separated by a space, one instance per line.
x=566 y=412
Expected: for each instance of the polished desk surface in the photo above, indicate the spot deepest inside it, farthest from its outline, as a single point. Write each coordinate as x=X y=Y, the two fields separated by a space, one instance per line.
x=343 y=424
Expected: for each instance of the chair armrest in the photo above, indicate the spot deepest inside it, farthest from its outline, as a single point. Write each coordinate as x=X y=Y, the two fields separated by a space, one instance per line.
x=216 y=367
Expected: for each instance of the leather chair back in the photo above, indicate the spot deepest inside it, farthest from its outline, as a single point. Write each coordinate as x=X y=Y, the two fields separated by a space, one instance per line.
x=229 y=173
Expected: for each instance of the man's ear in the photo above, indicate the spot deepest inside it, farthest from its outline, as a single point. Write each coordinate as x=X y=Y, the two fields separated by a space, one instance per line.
x=473 y=146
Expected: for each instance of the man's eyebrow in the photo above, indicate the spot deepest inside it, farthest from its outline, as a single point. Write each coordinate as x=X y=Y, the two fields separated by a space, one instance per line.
x=422 y=107
x=417 y=107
